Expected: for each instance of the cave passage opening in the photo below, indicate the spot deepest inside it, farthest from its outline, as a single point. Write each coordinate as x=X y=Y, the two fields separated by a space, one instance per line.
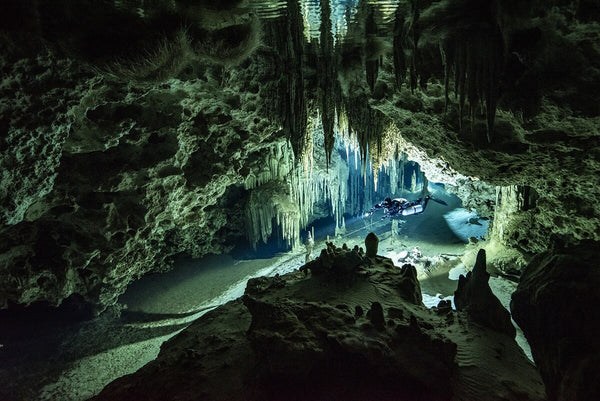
x=329 y=199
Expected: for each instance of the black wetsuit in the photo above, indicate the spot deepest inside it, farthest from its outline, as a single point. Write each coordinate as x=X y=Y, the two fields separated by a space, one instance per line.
x=402 y=207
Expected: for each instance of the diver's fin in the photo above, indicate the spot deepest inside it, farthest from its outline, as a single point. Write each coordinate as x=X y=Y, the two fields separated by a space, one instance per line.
x=441 y=202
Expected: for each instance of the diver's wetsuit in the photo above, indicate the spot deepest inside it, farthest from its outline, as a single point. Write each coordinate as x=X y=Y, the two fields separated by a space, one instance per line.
x=403 y=207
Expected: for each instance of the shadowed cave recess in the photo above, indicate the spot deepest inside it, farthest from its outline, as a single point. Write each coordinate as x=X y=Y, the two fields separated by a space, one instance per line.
x=186 y=187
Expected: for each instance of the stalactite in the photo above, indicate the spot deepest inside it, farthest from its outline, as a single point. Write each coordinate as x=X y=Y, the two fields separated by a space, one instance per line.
x=276 y=165
x=473 y=47
x=508 y=203
x=285 y=212
x=289 y=105
x=327 y=78
x=330 y=184
x=393 y=172
x=362 y=194
x=371 y=64
x=367 y=125
x=406 y=42
x=267 y=204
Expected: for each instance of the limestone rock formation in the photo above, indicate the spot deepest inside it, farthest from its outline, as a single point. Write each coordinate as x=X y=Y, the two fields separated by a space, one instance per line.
x=556 y=305
x=131 y=131
x=117 y=181
x=341 y=263
x=371 y=244
x=67 y=114
x=475 y=296
x=136 y=40
x=297 y=337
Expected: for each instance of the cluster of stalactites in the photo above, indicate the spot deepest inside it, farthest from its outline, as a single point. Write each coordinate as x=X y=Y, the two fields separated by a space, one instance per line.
x=270 y=201
x=288 y=96
x=268 y=204
x=476 y=64
x=278 y=163
x=397 y=177
x=377 y=147
x=275 y=209
x=472 y=46
x=272 y=210
x=345 y=186
x=515 y=198
x=330 y=186
x=406 y=38
x=510 y=201
x=366 y=126
x=320 y=178
x=328 y=98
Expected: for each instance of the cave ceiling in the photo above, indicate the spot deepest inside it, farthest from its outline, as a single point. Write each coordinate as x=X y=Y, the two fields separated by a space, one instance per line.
x=126 y=127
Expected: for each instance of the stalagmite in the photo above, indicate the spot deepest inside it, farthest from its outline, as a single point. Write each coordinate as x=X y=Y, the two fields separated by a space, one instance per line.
x=371 y=244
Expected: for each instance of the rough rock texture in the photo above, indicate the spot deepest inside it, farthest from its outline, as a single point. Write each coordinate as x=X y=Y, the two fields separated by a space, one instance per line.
x=371 y=244
x=297 y=337
x=116 y=180
x=106 y=174
x=545 y=137
x=475 y=195
x=475 y=296
x=556 y=305
x=116 y=158
x=66 y=128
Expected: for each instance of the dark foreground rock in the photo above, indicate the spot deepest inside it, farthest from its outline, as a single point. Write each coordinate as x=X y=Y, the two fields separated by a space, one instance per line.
x=556 y=305
x=475 y=296
x=307 y=336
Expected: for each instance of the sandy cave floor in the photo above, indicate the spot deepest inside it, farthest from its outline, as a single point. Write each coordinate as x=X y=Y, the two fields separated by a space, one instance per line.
x=80 y=359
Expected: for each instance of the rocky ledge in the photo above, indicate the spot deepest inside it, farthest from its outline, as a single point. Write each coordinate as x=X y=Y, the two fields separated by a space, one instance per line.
x=345 y=326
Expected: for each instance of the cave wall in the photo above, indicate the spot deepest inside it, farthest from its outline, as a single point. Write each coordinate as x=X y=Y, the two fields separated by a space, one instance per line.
x=114 y=166
x=554 y=304
x=543 y=134
x=106 y=176
x=129 y=180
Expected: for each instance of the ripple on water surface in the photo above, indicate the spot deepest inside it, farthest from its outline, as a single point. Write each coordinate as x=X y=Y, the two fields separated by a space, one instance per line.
x=343 y=13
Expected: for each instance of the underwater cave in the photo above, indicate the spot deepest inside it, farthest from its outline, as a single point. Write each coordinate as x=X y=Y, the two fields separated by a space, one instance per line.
x=299 y=200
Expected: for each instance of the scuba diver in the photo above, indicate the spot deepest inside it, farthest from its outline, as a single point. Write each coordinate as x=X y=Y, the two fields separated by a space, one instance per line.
x=403 y=207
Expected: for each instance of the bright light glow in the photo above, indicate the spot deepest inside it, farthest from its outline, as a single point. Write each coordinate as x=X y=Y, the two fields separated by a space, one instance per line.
x=466 y=224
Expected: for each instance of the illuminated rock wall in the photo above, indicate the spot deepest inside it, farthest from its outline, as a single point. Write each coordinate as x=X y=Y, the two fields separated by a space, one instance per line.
x=106 y=176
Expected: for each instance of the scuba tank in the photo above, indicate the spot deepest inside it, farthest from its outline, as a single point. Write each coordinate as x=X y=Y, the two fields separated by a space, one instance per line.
x=412 y=210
